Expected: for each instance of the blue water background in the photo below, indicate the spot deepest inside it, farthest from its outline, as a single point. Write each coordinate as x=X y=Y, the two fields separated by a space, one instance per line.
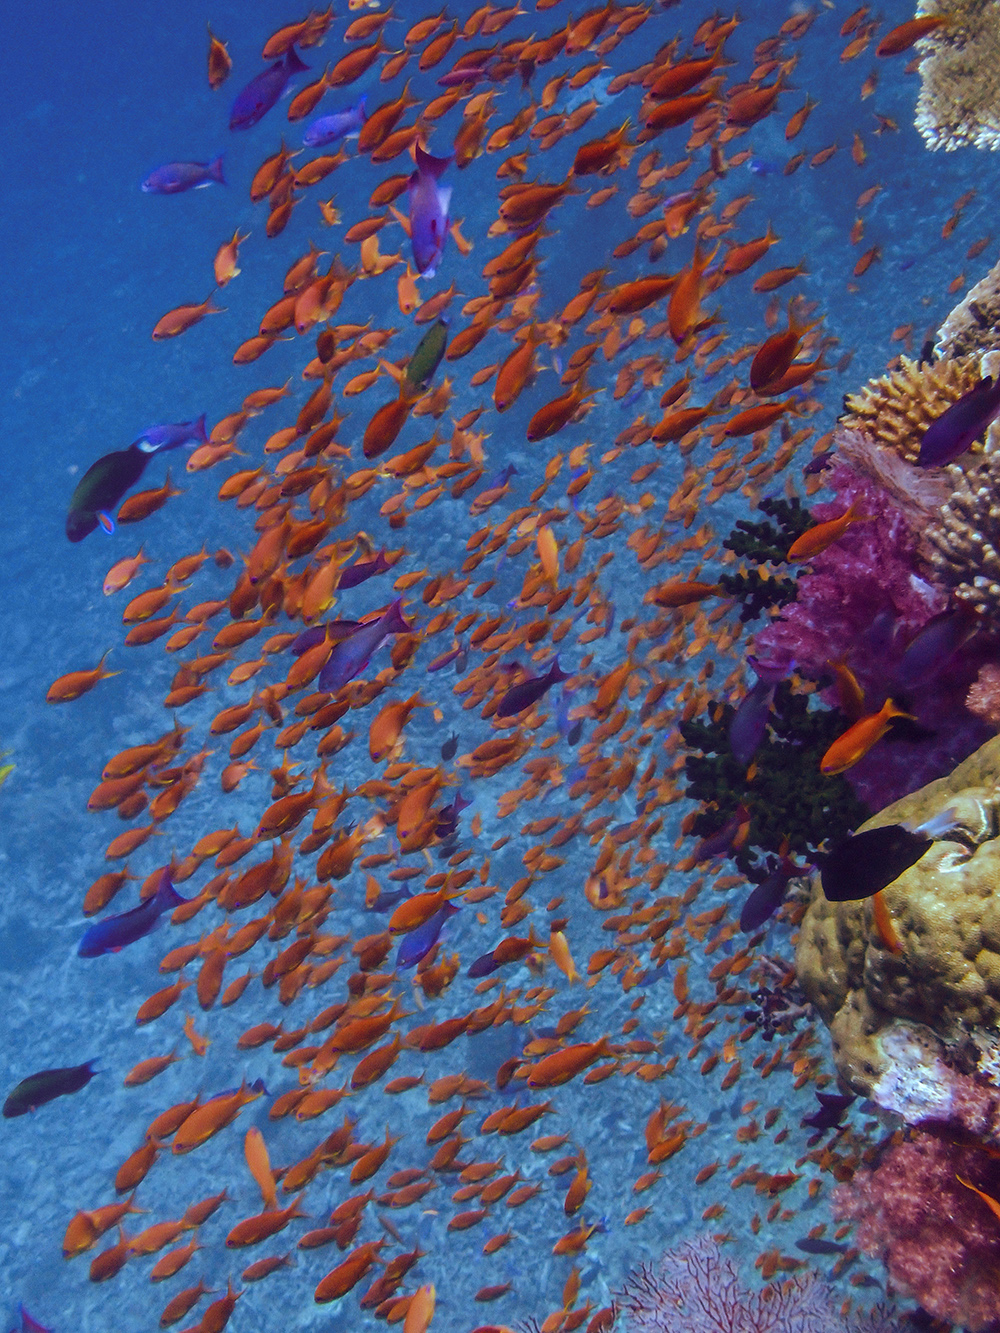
x=94 y=98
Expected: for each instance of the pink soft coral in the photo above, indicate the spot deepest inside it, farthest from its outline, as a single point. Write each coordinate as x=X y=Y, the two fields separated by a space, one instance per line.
x=938 y=1239
x=862 y=601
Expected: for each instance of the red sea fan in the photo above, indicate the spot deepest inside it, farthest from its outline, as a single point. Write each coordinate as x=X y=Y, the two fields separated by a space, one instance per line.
x=695 y=1289
x=938 y=1240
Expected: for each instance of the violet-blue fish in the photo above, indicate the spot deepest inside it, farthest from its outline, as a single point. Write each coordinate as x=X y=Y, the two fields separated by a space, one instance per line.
x=768 y=896
x=417 y=944
x=254 y=101
x=171 y=435
x=959 y=426
x=362 y=570
x=447 y=824
x=352 y=655
x=115 y=932
x=176 y=177
x=528 y=692
x=482 y=966
x=334 y=630
x=338 y=125
x=749 y=724
x=932 y=647
x=428 y=211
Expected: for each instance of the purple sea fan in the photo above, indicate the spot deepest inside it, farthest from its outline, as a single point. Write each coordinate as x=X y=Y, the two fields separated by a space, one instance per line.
x=695 y=1289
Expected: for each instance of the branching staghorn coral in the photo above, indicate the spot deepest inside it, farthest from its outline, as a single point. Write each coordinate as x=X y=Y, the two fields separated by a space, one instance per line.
x=959 y=103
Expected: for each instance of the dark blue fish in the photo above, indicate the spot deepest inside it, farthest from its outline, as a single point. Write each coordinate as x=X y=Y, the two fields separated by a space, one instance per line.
x=447 y=825
x=528 y=692
x=172 y=434
x=768 y=896
x=931 y=648
x=861 y=864
x=814 y=1245
x=337 y=125
x=37 y=1089
x=352 y=655
x=450 y=746
x=959 y=426
x=362 y=570
x=428 y=211
x=483 y=966
x=832 y=1108
x=263 y=91
x=385 y=902
x=417 y=944
x=500 y=478
x=176 y=177
x=115 y=932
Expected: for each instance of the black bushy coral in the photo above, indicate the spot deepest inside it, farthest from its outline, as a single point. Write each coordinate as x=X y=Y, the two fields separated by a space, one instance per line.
x=758 y=589
x=788 y=797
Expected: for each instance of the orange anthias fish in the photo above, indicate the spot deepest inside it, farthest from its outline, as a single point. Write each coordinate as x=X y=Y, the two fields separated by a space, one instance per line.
x=75 y=683
x=684 y=310
x=184 y=317
x=902 y=38
x=219 y=62
x=226 y=258
x=815 y=540
x=855 y=743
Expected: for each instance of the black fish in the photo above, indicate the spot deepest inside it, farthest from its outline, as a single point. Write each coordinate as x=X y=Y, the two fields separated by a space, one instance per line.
x=768 y=896
x=832 y=1107
x=863 y=863
x=101 y=487
x=42 y=1087
x=449 y=747
x=528 y=692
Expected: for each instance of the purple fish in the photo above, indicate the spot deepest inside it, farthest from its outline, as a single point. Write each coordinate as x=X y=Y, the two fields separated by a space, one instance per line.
x=932 y=647
x=352 y=655
x=483 y=966
x=338 y=125
x=959 y=426
x=447 y=825
x=263 y=91
x=362 y=570
x=528 y=692
x=768 y=896
x=417 y=944
x=114 y=932
x=334 y=630
x=428 y=211
x=176 y=177
x=171 y=435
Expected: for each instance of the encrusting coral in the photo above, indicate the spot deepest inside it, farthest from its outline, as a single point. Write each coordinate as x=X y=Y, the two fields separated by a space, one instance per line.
x=963 y=544
x=959 y=103
x=905 y=1024
x=974 y=324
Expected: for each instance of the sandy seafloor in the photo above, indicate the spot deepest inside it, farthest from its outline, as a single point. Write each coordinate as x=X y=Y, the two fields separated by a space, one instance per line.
x=95 y=97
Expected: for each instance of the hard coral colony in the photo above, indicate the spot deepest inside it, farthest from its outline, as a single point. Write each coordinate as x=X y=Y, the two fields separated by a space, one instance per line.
x=450 y=776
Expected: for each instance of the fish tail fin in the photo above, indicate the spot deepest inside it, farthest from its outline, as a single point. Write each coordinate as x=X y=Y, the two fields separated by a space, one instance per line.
x=215 y=169
x=395 y=622
x=199 y=426
x=294 y=64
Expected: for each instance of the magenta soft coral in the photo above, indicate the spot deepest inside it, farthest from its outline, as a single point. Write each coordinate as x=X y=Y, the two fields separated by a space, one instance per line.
x=862 y=601
x=939 y=1241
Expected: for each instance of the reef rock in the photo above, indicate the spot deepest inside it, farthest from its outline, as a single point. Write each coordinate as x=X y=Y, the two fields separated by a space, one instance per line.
x=914 y=1030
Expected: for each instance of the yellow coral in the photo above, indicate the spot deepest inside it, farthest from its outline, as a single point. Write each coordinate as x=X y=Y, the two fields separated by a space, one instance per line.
x=897 y=408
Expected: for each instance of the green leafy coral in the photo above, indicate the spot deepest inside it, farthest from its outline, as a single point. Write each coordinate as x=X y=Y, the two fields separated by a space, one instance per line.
x=787 y=797
x=765 y=542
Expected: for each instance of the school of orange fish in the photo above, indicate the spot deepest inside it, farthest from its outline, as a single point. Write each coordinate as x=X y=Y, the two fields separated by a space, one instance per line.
x=415 y=1113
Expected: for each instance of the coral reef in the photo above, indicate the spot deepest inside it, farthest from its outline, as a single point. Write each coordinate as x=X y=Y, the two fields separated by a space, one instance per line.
x=788 y=798
x=695 y=1289
x=974 y=324
x=959 y=103
x=759 y=589
x=983 y=698
x=904 y=1024
x=938 y=1239
x=897 y=408
x=962 y=545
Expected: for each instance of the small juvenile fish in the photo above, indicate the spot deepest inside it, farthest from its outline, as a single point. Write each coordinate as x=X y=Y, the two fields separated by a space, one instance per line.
x=37 y=1089
x=176 y=177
